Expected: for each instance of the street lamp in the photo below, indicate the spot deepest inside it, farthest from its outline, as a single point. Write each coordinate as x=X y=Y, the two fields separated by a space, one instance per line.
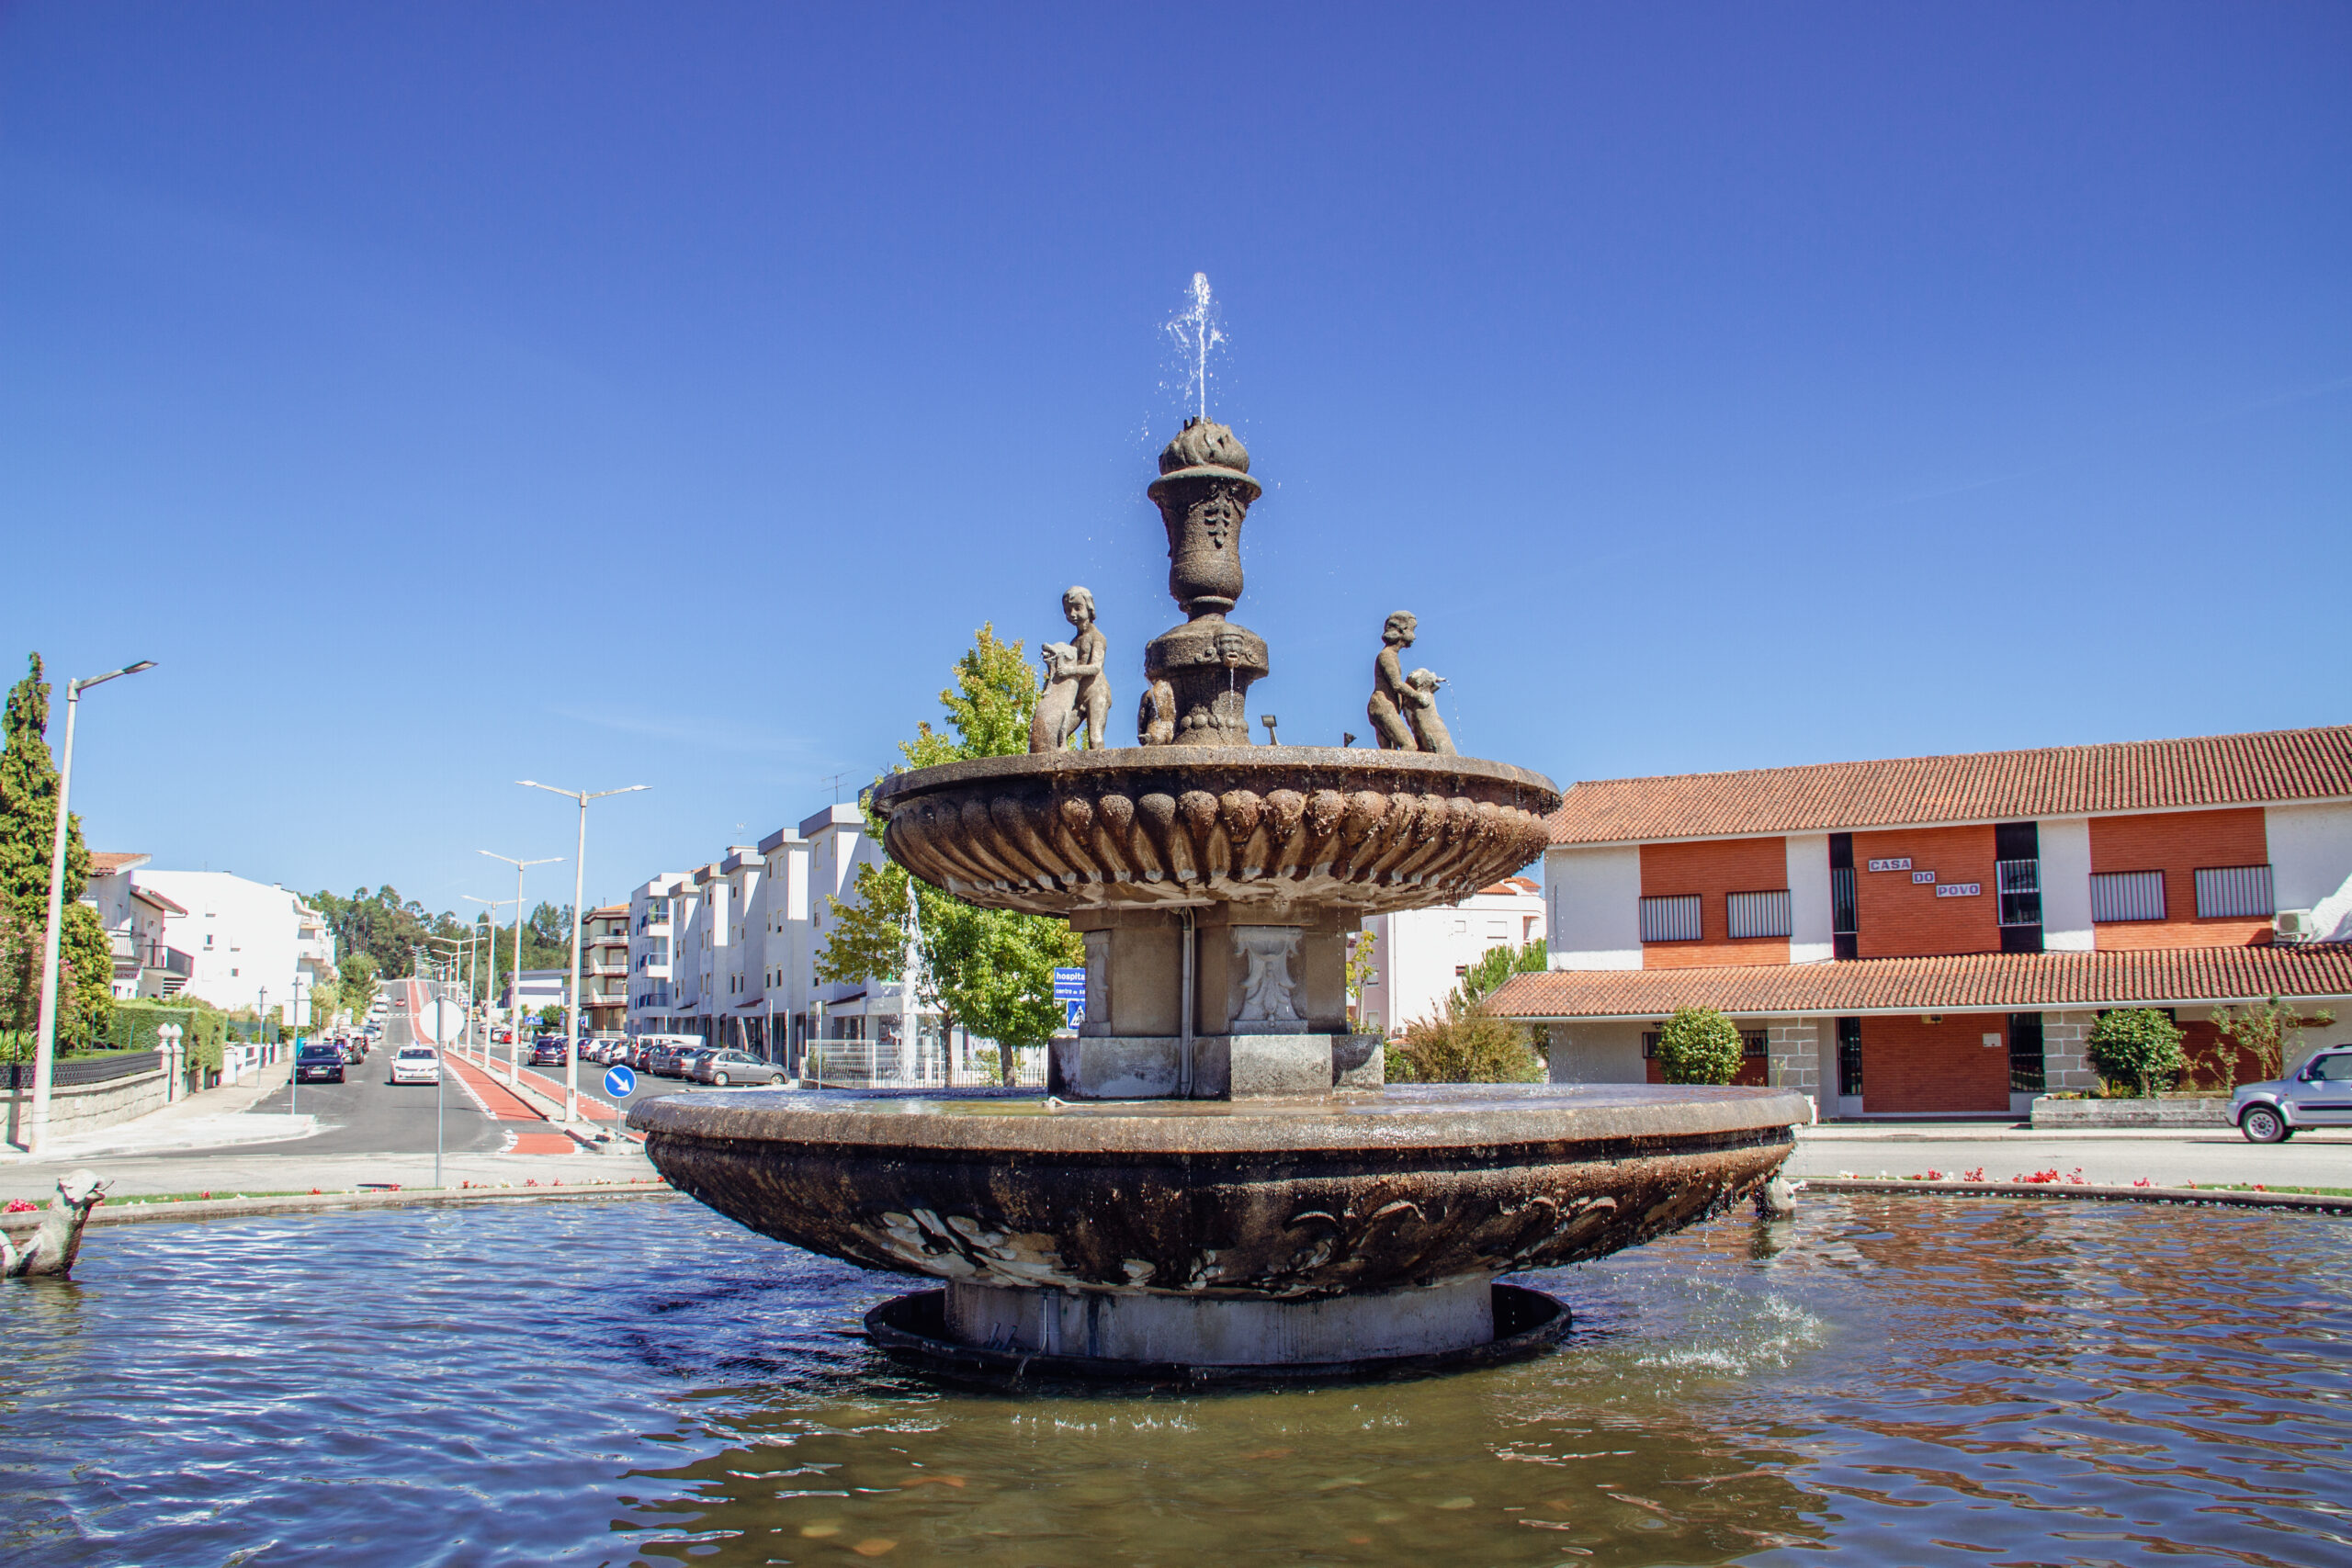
x=490 y=970
x=579 y=891
x=515 y=1013
x=45 y=1053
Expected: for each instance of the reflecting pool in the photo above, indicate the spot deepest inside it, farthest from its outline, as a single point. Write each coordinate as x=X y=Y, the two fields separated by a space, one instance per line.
x=637 y=1381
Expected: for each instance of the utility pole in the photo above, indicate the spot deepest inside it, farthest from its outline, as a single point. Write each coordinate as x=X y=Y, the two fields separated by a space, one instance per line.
x=579 y=892
x=45 y=1053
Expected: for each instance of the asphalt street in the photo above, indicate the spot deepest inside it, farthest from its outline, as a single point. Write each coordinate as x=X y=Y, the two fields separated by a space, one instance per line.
x=369 y=1114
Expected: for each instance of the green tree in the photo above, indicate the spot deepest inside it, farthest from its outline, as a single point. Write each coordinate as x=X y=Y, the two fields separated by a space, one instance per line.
x=1466 y=1044
x=2139 y=1046
x=1497 y=964
x=2271 y=1031
x=991 y=971
x=1699 y=1045
x=356 y=985
x=28 y=830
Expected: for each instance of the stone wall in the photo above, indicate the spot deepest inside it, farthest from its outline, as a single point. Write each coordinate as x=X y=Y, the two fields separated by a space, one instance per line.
x=2170 y=1111
x=1792 y=1056
x=83 y=1107
x=2065 y=1051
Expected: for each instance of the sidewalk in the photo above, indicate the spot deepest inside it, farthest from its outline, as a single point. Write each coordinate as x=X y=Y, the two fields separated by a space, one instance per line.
x=2116 y=1155
x=217 y=1118
x=237 y=1171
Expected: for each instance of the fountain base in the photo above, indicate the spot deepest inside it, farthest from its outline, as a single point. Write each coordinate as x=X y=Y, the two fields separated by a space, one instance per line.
x=1093 y=1337
x=1214 y=1066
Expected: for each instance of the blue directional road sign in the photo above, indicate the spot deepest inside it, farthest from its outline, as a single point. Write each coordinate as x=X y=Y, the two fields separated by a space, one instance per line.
x=1075 y=1013
x=1070 y=984
x=619 y=1082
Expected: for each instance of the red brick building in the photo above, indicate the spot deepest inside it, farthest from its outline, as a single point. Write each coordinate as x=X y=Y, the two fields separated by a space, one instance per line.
x=1936 y=935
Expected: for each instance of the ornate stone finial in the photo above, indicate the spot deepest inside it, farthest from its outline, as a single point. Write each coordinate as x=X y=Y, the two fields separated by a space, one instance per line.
x=1199 y=674
x=1204 y=444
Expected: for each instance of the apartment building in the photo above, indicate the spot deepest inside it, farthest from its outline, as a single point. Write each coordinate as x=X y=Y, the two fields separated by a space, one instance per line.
x=728 y=952
x=1937 y=936
x=1419 y=955
x=230 y=942
x=604 y=969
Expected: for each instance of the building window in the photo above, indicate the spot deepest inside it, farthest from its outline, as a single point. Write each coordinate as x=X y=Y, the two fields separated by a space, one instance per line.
x=2234 y=890
x=2025 y=1053
x=2019 y=882
x=2128 y=895
x=1670 y=920
x=1850 y=1057
x=1758 y=914
x=1844 y=942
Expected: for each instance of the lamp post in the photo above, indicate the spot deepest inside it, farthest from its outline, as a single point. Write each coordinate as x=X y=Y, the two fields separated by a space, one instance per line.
x=515 y=1020
x=45 y=1053
x=579 y=891
x=490 y=969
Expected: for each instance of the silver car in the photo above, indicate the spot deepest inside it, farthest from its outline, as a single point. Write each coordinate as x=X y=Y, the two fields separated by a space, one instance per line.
x=2320 y=1095
x=725 y=1067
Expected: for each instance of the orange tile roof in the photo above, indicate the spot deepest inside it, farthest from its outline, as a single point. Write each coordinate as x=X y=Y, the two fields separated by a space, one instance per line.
x=1982 y=786
x=104 y=862
x=1987 y=981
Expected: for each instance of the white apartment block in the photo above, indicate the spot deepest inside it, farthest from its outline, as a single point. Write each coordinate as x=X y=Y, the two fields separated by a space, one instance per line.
x=1421 y=954
x=210 y=934
x=727 y=952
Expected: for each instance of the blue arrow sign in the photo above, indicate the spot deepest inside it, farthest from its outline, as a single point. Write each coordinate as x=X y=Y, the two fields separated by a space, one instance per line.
x=1070 y=984
x=619 y=1082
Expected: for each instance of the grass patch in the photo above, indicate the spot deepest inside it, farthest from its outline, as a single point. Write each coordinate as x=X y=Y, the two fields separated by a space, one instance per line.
x=2272 y=1187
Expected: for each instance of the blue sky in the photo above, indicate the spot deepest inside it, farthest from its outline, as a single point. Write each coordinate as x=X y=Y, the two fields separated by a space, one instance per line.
x=452 y=394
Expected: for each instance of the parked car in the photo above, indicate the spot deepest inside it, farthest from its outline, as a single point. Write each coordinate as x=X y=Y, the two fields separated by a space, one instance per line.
x=416 y=1064
x=319 y=1060
x=662 y=1058
x=502 y=1037
x=354 y=1050
x=2318 y=1095
x=724 y=1067
x=548 y=1051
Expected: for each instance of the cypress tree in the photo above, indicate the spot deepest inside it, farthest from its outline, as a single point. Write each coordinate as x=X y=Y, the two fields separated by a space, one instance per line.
x=28 y=828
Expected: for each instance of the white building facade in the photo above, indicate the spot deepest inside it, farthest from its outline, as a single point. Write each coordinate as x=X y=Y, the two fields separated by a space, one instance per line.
x=235 y=943
x=1419 y=955
x=727 y=952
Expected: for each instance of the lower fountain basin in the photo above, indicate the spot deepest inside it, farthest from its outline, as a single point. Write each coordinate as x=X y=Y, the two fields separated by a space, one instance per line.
x=1283 y=1200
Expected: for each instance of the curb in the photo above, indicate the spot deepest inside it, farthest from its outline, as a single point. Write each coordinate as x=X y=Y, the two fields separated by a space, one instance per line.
x=131 y=1210
x=2309 y=1202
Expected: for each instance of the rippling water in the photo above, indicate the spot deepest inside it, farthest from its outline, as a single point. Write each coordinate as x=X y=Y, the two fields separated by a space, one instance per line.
x=1894 y=1381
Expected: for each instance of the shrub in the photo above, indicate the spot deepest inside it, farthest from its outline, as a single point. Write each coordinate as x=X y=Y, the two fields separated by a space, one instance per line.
x=1466 y=1045
x=2268 y=1031
x=1699 y=1045
x=2139 y=1046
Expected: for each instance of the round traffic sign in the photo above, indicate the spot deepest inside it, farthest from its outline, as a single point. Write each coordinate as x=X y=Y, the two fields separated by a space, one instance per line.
x=442 y=1024
x=619 y=1082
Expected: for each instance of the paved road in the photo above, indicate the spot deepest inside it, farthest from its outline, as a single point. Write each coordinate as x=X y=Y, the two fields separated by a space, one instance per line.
x=368 y=1114
x=2213 y=1156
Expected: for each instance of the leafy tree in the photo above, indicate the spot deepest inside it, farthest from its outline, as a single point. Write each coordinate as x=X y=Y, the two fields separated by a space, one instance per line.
x=28 y=830
x=990 y=971
x=2270 y=1032
x=2139 y=1046
x=1466 y=1044
x=1699 y=1045
x=1362 y=968
x=356 y=985
x=1498 y=964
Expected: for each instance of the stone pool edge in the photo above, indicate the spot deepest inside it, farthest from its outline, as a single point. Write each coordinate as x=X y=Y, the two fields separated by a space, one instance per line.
x=132 y=1211
x=2310 y=1202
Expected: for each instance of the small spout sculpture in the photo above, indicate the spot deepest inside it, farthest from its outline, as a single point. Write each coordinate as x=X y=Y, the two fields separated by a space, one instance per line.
x=49 y=1252
x=1056 y=718
x=1093 y=697
x=1428 y=729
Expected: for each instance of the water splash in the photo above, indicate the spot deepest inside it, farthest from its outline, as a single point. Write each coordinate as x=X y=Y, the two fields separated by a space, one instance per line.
x=1196 y=332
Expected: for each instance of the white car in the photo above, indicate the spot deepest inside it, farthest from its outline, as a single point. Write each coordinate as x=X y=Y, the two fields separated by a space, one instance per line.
x=416 y=1064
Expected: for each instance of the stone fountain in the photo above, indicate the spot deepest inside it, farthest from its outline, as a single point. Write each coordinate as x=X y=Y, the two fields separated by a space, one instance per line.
x=1218 y=1185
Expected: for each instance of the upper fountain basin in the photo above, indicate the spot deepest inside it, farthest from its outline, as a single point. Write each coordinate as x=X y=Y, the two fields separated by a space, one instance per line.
x=1275 y=827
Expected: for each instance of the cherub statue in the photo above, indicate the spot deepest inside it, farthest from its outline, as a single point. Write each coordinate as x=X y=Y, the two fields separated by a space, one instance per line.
x=1420 y=691
x=1093 y=702
x=1391 y=697
x=51 y=1250
x=1056 y=718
